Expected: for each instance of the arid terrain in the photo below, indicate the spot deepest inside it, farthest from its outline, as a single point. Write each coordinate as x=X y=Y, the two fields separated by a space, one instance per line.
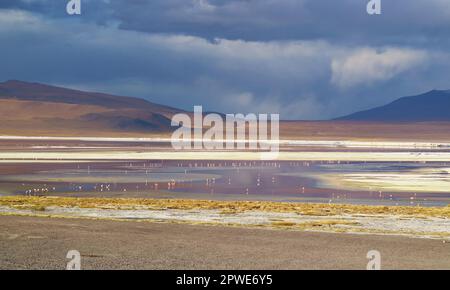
x=97 y=173
x=134 y=245
x=33 y=109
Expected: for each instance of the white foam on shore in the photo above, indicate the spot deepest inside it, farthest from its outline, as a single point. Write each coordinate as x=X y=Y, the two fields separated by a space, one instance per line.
x=225 y=155
x=362 y=224
x=285 y=142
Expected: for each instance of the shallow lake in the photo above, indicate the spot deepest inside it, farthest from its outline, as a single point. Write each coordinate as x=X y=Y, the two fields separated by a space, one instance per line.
x=379 y=183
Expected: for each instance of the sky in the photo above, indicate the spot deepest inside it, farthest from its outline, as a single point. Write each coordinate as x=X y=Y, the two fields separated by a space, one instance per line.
x=303 y=59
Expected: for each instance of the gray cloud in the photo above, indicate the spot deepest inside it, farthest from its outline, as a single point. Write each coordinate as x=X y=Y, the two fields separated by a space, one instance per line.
x=366 y=66
x=406 y=21
x=301 y=58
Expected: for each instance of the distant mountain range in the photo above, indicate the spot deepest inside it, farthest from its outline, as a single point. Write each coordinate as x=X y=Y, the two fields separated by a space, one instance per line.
x=431 y=106
x=42 y=110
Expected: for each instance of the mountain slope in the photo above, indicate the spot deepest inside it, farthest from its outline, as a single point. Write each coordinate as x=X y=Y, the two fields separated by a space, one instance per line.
x=431 y=106
x=32 y=107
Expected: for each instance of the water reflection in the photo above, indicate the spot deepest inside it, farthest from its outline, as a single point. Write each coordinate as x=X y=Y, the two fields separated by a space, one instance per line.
x=333 y=182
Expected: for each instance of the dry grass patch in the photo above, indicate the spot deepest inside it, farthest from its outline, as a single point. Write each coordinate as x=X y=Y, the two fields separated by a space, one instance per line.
x=225 y=207
x=283 y=224
x=318 y=224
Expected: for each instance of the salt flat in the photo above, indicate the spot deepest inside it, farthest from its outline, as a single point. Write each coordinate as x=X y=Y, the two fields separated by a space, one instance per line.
x=432 y=227
x=226 y=155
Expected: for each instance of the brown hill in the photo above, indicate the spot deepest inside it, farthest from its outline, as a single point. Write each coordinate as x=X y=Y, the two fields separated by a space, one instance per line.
x=31 y=109
x=37 y=109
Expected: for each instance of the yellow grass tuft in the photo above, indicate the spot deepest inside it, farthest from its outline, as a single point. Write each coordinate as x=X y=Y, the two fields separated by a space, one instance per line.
x=283 y=224
x=225 y=207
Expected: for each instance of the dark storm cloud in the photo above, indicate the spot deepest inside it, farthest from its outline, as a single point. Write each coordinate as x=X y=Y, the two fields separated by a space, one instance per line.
x=402 y=21
x=303 y=58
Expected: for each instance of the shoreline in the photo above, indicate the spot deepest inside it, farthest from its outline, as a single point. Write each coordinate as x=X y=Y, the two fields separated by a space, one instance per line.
x=334 y=156
x=430 y=222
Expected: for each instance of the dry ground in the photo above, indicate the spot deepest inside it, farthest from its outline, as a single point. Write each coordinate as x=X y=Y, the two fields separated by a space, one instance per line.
x=42 y=243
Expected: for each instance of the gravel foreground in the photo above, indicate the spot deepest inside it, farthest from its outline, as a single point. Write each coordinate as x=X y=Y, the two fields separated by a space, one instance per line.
x=42 y=243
